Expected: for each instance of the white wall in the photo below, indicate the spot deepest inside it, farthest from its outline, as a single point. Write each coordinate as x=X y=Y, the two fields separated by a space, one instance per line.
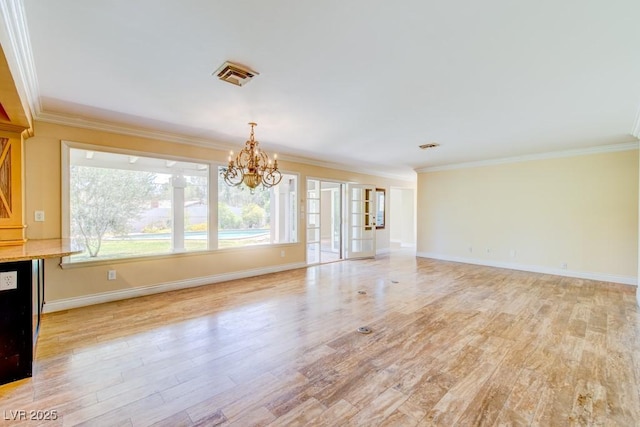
x=575 y=216
x=401 y=217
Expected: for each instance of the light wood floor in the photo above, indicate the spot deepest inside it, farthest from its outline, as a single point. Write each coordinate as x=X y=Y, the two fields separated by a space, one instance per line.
x=452 y=344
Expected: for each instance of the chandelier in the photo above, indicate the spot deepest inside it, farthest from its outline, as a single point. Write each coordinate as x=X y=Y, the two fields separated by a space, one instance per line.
x=251 y=167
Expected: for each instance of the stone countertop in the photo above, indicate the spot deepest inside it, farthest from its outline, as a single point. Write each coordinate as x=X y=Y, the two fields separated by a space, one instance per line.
x=38 y=249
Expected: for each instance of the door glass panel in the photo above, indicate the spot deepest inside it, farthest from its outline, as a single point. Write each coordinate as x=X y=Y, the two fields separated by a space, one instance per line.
x=313 y=253
x=314 y=206
x=313 y=220
x=313 y=235
x=361 y=233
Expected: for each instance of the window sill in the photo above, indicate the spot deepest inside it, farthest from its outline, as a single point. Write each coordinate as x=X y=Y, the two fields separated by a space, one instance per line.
x=111 y=261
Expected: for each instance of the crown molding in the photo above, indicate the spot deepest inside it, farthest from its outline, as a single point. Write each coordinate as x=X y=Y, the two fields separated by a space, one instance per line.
x=626 y=146
x=97 y=125
x=66 y=120
x=409 y=176
x=14 y=20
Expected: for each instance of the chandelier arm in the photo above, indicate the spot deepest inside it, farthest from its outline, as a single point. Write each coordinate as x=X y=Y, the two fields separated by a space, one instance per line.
x=271 y=177
x=265 y=159
x=232 y=176
x=243 y=158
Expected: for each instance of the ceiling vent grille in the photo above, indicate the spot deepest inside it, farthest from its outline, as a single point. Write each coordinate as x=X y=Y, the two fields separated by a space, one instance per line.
x=430 y=145
x=235 y=74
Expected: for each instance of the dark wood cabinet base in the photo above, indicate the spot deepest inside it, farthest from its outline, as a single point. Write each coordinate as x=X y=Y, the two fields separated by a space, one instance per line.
x=20 y=310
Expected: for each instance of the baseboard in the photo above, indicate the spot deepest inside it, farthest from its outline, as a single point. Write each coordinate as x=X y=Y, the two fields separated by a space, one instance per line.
x=403 y=244
x=69 y=303
x=625 y=280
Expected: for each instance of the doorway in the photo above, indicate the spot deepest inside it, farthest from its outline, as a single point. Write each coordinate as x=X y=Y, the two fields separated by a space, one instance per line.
x=325 y=242
x=402 y=215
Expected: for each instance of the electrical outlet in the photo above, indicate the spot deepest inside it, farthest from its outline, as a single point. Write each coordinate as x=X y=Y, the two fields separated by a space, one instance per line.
x=39 y=216
x=111 y=275
x=282 y=253
x=8 y=280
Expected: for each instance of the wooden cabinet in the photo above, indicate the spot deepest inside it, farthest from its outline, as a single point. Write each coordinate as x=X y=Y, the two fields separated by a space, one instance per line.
x=12 y=228
x=16 y=323
x=15 y=126
x=21 y=308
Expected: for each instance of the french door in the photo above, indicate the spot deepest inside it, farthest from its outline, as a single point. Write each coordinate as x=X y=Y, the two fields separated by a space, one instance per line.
x=361 y=224
x=313 y=221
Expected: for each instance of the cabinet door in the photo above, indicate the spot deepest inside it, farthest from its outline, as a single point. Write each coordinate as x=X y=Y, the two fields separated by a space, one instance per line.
x=16 y=345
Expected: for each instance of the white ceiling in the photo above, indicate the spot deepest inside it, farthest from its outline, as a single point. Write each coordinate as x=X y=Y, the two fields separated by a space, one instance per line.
x=349 y=81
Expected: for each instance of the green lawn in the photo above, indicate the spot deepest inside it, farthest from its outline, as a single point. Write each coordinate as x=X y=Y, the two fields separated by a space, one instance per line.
x=125 y=248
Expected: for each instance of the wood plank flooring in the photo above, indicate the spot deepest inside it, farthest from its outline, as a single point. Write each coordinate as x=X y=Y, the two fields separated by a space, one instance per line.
x=452 y=344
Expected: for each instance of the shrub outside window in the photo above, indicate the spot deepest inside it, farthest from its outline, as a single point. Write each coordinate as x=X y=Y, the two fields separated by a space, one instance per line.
x=266 y=216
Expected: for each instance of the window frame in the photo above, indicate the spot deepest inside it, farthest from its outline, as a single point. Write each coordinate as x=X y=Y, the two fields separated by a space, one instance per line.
x=213 y=242
x=66 y=147
x=298 y=235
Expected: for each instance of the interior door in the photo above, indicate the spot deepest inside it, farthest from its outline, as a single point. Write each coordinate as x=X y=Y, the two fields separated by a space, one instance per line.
x=361 y=224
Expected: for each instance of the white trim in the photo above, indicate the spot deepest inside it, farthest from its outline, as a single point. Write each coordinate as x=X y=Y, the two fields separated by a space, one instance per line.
x=408 y=177
x=15 y=22
x=626 y=146
x=69 y=303
x=602 y=277
x=97 y=125
x=93 y=124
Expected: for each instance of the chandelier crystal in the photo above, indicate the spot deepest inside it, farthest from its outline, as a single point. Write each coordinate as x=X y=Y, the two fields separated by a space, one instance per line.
x=251 y=167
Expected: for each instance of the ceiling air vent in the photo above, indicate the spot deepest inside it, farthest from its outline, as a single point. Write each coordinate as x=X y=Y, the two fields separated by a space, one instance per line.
x=235 y=74
x=430 y=145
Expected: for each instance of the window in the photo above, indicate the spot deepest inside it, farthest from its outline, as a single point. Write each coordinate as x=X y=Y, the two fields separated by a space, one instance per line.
x=266 y=216
x=128 y=205
x=125 y=205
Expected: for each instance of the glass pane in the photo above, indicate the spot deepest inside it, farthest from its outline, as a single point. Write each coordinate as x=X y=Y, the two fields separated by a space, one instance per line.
x=357 y=207
x=313 y=253
x=196 y=210
x=266 y=216
x=313 y=184
x=313 y=235
x=356 y=194
x=315 y=194
x=357 y=232
x=314 y=206
x=122 y=205
x=357 y=219
x=313 y=220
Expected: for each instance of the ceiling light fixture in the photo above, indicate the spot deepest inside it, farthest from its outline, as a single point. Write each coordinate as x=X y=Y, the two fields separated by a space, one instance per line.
x=251 y=167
